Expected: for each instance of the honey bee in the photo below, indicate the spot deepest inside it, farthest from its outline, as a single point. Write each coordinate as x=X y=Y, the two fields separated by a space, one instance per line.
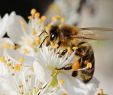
x=77 y=40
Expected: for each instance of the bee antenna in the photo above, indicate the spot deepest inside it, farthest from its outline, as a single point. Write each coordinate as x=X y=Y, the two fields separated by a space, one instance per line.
x=43 y=41
x=43 y=33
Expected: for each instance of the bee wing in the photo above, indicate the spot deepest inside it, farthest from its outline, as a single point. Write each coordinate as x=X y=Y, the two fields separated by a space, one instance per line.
x=94 y=33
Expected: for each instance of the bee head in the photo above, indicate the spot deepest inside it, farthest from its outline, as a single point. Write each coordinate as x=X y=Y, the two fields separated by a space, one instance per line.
x=54 y=33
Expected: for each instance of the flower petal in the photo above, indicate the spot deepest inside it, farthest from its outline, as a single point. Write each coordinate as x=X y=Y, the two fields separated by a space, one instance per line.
x=5 y=43
x=3 y=24
x=6 y=86
x=43 y=74
x=15 y=28
x=17 y=57
x=74 y=86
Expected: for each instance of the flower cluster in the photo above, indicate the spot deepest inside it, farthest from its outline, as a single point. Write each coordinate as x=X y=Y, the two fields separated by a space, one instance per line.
x=27 y=69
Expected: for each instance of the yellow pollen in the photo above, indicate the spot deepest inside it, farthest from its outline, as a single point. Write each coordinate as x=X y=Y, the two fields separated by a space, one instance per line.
x=34 y=32
x=9 y=64
x=6 y=45
x=30 y=17
x=37 y=41
x=101 y=92
x=48 y=26
x=56 y=45
x=75 y=65
x=17 y=67
x=2 y=59
x=21 y=59
x=35 y=90
x=64 y=93
x=56 y=18
x=12 y=47
x=37 y=15
x=69 y=50
x=62 y=81
x=74 y=48
x=26 y=51
x=33 y=11
x=52 y=44
x=42 y=19
x=89 y=65
x=62 y=20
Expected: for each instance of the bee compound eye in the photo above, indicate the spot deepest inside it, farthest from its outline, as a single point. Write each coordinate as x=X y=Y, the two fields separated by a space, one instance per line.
x=53 y=36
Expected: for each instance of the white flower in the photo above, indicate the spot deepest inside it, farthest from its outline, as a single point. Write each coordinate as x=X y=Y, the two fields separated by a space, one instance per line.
x=46 y=64
x=25 y=34
x=17 y=76
x=27 y=69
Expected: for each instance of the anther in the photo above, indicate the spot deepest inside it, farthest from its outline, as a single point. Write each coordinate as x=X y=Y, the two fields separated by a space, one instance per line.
x=33 y=11
x=62 y=81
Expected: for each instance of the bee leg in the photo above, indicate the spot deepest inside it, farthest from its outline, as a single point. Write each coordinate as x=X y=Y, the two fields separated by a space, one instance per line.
x=43 y=41
x=63 y=53
x=59 y=44
x=86 y=54
x=86 y=81
x=67 y=67
x=74 y=73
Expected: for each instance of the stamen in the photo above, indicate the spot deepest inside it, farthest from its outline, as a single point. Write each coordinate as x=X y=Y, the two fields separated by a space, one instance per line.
x=2 y=59
x=55 y=18
x=26 y=51
x=61 y=81
x=21 y=59
x=62 y=20
x=43 y=18
x=64 y=93
x=35 y=90
x=37 y=40
x=101 y=92
x=69 y=50
x=48 y=26
x=37 y=15
x=13 y=74
x=17 y=67
x=33 y=11
x=30 y=17
x=34 y=32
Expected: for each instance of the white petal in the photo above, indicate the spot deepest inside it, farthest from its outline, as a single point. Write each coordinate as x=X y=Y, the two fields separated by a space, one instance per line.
x=7 y=86
x=15 y=28
x=2 y=41
x=74 y=86
x=3 y=70
x=3 y=25
x=43 y=74
x=15 y=56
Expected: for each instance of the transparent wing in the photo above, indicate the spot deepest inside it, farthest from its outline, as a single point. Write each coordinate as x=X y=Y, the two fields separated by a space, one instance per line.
x=94 y=33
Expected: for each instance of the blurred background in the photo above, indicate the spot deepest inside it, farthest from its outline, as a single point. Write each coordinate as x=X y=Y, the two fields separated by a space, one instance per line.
x=83 y=13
